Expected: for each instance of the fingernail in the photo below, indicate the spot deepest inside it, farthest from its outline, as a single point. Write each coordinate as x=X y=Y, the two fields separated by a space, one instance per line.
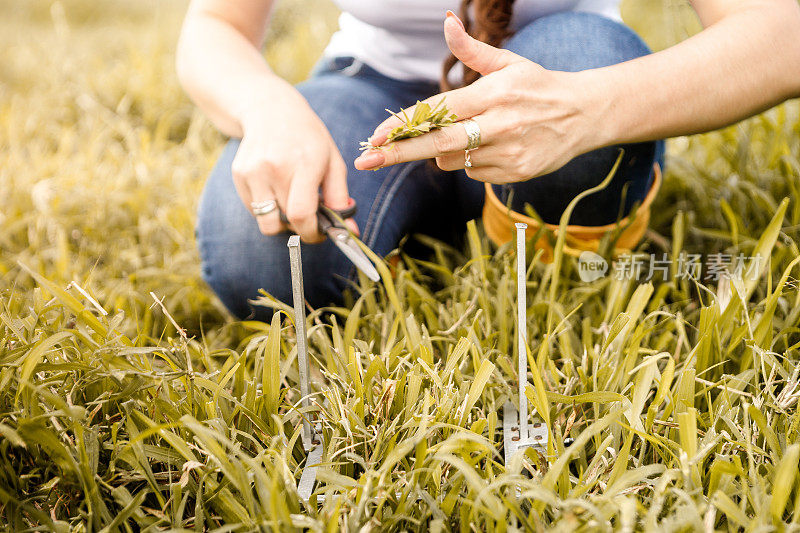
x=453 y=15
x=371 y=159
x=353 y=226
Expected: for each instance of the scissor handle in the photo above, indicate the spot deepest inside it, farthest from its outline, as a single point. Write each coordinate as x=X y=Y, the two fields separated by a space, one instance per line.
x=328 y=217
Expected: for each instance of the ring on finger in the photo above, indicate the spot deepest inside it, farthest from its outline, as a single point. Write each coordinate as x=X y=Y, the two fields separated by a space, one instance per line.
x=473 y=133
x=473 y=140
x=264 y=208
x=467 y=159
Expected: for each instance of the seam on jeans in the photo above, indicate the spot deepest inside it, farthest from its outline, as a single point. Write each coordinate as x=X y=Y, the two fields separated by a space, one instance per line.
x=374 y=207
x=369 y=239
x=368 y=225
x=382 y=204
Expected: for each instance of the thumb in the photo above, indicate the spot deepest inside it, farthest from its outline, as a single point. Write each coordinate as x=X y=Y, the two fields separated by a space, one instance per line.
x=479 y=56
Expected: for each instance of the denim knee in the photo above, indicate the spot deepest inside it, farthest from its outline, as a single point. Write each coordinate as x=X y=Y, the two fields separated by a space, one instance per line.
x=234 y=281
x=572 y=41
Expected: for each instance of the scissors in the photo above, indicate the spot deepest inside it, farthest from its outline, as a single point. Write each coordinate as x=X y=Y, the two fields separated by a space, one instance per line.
x=330 y=223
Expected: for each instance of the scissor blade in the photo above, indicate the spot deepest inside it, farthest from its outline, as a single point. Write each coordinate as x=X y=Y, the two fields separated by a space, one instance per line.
x=349 y=248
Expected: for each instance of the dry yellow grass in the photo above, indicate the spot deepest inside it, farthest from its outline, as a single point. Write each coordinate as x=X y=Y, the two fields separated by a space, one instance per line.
x=103 y=155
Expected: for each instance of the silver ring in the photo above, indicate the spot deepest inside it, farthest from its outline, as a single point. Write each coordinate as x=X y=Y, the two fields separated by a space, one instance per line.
x=264 y=208
x=473 y=133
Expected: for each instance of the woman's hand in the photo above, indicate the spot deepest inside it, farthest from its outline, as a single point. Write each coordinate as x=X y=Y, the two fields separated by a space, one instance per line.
x=533 y=121
x=287 y=155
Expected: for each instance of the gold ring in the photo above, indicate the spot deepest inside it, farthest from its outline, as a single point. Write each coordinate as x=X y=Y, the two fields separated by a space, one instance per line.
x=473 y=133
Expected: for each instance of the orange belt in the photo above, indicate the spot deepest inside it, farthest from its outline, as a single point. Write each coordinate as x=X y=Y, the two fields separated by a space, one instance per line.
x=499 y=220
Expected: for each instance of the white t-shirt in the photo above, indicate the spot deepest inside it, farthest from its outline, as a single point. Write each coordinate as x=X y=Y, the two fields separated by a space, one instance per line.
x=403 y=39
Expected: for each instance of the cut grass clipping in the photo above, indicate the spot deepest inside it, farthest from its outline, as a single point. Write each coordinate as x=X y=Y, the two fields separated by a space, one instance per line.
x=424 y=120
x=119 y=412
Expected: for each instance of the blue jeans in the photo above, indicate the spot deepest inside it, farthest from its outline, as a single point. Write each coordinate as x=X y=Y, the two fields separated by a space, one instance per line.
x=416 y=197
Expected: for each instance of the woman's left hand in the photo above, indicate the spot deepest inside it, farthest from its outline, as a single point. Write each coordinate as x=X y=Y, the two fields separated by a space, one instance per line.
x=533 y=121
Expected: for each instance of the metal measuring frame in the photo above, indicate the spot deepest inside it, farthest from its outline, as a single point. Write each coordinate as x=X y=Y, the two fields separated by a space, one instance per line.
x=518 y=433
x=311 y=435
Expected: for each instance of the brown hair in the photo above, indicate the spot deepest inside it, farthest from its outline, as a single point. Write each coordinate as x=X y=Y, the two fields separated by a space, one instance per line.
x=491 y=25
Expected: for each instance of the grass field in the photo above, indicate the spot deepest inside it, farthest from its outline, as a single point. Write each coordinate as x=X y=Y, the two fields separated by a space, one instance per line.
x=680 y=394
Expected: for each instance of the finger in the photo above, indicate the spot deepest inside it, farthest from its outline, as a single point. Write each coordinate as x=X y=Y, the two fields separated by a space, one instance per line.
x=481 y=157
x=301 y=207
x=352 y=226
x=434 y=144
x=268 y=224
x=478 y=56
x=256 y=189
x=488 y=175
x=334 y=186
x=253 y=181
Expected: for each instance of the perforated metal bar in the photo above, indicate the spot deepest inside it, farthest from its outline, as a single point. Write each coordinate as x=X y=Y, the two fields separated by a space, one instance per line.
x=522 y=329
x=296 y=263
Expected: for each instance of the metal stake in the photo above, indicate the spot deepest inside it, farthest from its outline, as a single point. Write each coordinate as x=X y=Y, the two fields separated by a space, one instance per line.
x=300 y=331
x=311 y=437
x=522 y=329
x=518 y=434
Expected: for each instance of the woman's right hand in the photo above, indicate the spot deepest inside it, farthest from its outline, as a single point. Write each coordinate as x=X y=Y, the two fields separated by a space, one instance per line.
x=288 y=155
